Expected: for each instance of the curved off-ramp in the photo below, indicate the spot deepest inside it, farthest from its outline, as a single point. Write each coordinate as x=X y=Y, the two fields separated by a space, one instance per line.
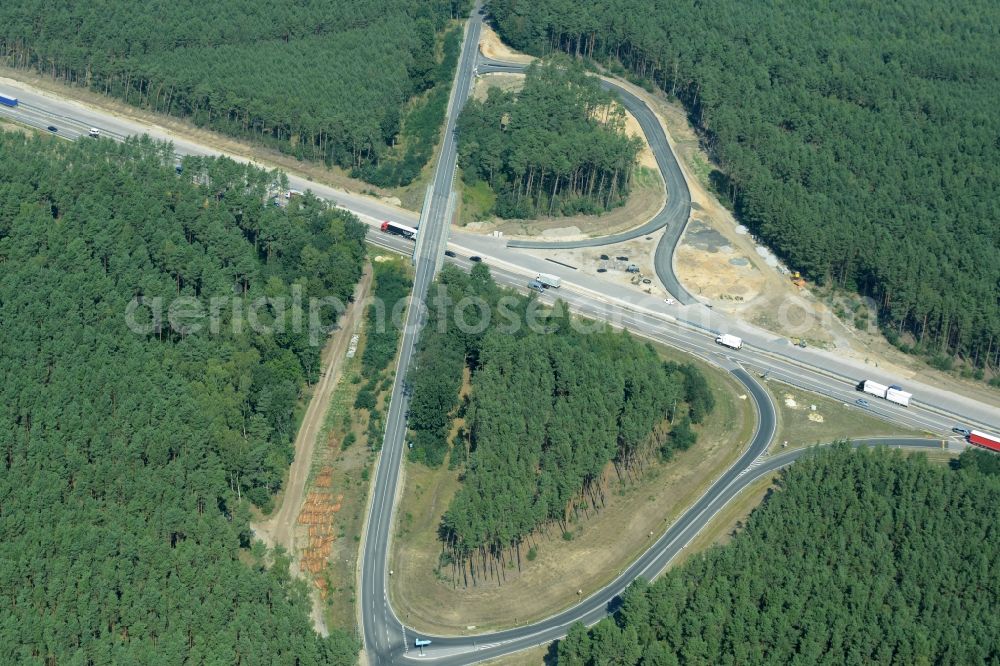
x=673 y=216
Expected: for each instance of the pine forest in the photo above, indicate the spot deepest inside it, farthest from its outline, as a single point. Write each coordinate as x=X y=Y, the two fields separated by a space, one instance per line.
x=858 y=140
x=135 y=438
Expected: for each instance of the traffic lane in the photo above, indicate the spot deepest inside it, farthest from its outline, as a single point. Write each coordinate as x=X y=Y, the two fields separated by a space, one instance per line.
x=383 y=634
x=984 y=415
x=674 y=215
x=677 y=206
x=499 y=643
x=840 y=390
x=475 y=649
x=74 y=120
x=380 y=626
x=822 y=362
x=703 y=345
x=595 y=606
x=42 y=122
x=847 y=394
x=986 y=418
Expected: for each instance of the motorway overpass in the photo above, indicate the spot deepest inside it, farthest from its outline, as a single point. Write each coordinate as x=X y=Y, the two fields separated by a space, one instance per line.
x=688 y=327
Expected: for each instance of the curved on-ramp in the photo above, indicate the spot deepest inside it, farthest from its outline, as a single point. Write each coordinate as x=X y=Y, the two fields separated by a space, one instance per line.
x=675 y=213
x=752 y=465
x=386 y=639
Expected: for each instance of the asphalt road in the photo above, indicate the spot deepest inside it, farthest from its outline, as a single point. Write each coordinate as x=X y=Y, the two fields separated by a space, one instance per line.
x=676 y=211
x=471 y=649
x=689 y=328
x=751 y=465
x=468 y=649
x=819 y=367
x=675 y=332
x=384 y=635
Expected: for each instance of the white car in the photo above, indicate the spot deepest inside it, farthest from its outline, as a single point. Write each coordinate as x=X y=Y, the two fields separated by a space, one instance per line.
x=669 y=301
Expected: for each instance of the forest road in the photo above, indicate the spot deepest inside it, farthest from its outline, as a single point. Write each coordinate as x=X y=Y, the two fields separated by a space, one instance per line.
x=280 y=527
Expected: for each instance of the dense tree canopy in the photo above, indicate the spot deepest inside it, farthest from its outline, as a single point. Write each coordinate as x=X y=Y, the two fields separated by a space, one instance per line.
x=553 y=402
x=556 y=146
x=328 y=80
x=862 y=557
x=133 y=430
x=384 y=321
x=860 y=140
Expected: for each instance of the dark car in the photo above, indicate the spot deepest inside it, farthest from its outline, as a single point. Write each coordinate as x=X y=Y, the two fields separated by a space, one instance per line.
x=964 y=432
x=861 y=402
x=52 y=128
x=475 y=259
x=449 y=253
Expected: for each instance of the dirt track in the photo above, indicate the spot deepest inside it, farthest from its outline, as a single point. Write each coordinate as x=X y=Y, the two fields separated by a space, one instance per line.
x=279 y=529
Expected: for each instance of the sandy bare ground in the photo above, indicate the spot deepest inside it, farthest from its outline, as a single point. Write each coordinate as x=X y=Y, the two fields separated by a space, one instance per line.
x=500 y=80
x=279 y=528
x=756 y=292
x=770 y=300
x=491 y=47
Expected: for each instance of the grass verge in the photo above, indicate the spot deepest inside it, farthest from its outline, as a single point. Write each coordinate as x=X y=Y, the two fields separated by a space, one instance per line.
x=724 y=525
x=800 y=425
x=530 y=657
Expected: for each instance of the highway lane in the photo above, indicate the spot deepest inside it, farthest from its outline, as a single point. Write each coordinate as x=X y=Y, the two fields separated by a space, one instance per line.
x=74 y=119
x=818 y=365
x=664 y=328
x=686 y=327
x=673 y=216
x=383 y=634
x=765 y=346
x=752 y=464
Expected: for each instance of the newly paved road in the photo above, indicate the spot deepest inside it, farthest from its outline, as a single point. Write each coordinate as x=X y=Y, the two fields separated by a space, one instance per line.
x=817 y=366
x=384 y=636
x=688 y=328
x=676 y=211
x=752 y=464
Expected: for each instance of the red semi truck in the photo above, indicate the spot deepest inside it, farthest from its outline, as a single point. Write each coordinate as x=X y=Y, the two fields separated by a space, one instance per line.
x=399 y=229
x=991 y=442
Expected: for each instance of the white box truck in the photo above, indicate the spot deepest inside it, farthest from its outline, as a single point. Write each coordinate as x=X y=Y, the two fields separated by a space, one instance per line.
x=549 y=280
x=873 y=388
x=894 y=393
x=899 y=397
x=730 y=341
